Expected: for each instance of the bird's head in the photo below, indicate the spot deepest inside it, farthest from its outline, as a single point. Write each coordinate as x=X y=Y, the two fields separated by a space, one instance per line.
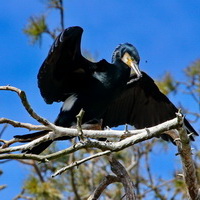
x=128 y=54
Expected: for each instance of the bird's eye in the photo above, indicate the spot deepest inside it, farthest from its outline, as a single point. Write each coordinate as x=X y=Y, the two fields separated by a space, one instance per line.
x=132 y=59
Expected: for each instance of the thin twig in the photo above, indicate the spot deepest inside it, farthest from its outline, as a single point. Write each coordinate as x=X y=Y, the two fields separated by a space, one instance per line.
x=2 y=187
x=23 y=125
x=79 y=118
x=3 y=129
x=157 y=187
x=77 y=163
x=61 y=14
x=22 y=196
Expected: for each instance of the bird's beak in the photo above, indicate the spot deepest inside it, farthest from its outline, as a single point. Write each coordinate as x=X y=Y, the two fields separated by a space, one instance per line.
x=135 y=70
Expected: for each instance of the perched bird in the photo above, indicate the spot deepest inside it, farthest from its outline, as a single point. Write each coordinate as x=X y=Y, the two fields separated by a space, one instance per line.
x=116 y=93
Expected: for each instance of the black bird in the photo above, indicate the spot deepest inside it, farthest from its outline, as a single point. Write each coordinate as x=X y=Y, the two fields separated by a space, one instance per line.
x=116 y=93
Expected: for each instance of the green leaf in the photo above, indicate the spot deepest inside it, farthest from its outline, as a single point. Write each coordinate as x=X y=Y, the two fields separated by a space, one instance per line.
x=167 y=84
x=42 y=190
x=194 y=69
x=35 y=28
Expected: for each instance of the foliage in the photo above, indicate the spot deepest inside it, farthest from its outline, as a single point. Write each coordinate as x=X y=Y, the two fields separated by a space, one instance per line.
x=36 y=27
x=192 y=85
x=57 y=4
x=193 y=71
x=42 y=190
x=167 y=84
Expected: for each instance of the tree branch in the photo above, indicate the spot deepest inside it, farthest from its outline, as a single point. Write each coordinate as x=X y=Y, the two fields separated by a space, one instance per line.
x=102 y=186
x=2 y=187
x=122 y=174
x=189 y=169
x=22 y=125
x=136 y=137
x=131 y=137
x=77 y=163
x=27 y=106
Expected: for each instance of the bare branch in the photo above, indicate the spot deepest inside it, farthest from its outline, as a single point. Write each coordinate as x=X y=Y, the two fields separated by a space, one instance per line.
x=23 y=125
x=122 y=174
x=73 y=179
x=102 y=186
x=2 y=187
x=3 y=129
x=61 y=14
x=131 y=137
x=143 y=134
x=22 y=196
x=189 y=170
x=27 y=106
x=77 y=163
x=156 y=187
x=79 y=123
x=190 y=89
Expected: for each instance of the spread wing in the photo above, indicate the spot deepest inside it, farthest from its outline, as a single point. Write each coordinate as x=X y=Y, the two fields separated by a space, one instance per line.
x=65 y=70
x=141 y=104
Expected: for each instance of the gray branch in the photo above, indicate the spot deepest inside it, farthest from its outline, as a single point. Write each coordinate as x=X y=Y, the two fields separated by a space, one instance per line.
x=125 y=179
x=102 y=186
x=189 y=169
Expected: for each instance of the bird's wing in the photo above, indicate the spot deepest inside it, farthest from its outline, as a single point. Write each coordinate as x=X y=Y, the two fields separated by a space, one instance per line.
x=65 y=70
x=141 y=104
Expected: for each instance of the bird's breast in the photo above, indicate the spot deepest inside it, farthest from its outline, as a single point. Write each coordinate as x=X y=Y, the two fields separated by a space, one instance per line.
x=110 y=80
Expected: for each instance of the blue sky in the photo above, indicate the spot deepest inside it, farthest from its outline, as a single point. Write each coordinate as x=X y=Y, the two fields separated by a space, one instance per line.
x=166 y=33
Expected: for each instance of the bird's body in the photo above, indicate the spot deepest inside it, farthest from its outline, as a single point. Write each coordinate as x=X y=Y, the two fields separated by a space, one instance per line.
x=117 y=93
x=96 y=97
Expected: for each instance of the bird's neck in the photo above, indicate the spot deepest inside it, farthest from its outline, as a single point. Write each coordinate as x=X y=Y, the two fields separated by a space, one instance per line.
x=122 y=70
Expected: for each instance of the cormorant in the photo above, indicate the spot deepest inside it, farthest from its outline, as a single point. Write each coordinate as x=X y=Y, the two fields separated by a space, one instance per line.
x=116 y=93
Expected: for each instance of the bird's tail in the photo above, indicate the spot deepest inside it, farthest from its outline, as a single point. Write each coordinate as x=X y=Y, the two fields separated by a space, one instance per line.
x=190 y=129
x=40 y=147
x=32 y=136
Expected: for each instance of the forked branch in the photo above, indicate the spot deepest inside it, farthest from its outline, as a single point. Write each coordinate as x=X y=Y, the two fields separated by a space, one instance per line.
x=127 y=139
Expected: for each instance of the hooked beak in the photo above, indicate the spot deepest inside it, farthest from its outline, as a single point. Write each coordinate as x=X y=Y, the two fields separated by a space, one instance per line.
x=135 y=70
